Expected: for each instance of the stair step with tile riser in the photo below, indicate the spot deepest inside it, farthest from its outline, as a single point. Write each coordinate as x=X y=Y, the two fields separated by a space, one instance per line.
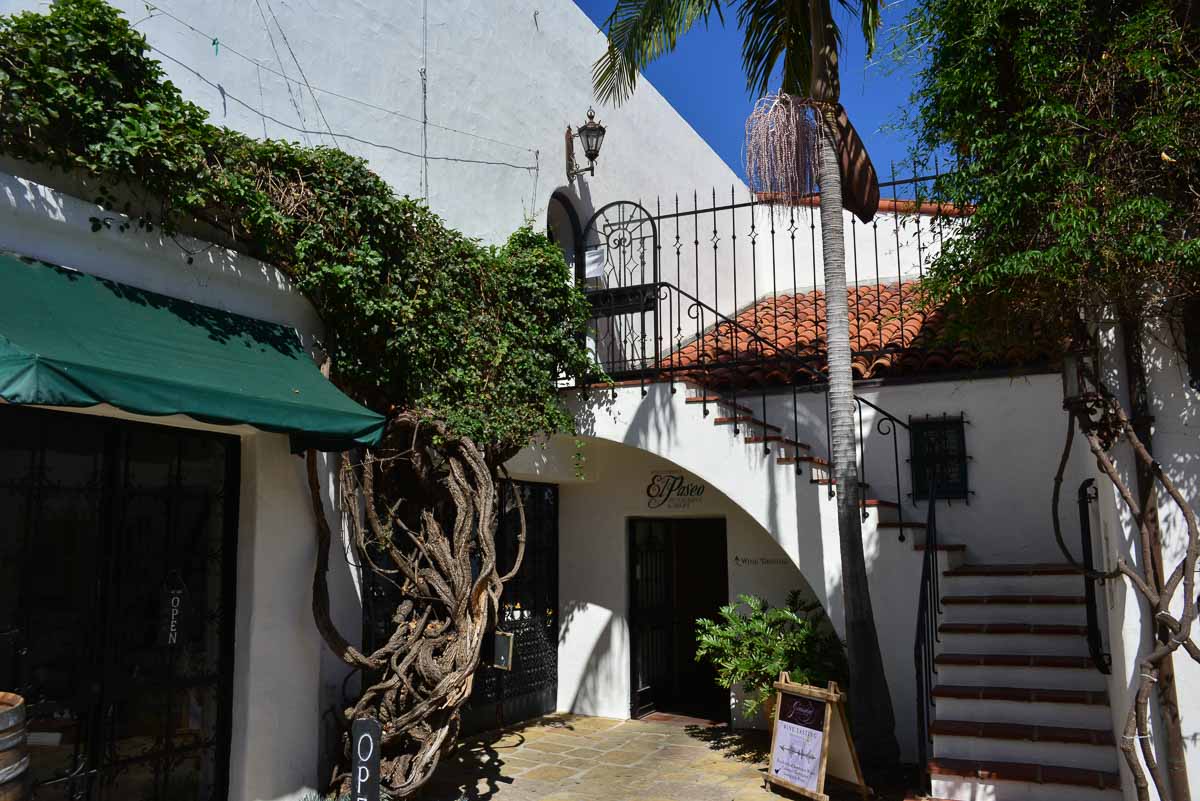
x=1031 y=579
x=1013 y=638
x=970 y=780
x=1013 y=742
x=719 y=402
x=746 y=422
x=1018 y=670
x=1046 y=609
x=1036 y=707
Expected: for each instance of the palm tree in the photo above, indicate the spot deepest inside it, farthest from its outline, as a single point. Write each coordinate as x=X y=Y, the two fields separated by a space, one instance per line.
x=804 y=37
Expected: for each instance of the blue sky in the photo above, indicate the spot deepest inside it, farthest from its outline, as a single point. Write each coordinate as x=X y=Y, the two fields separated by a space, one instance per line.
x=703 y=79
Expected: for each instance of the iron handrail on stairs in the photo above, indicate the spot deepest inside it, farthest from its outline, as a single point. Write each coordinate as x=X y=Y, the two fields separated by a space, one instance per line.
x=924 y=645
x=1102 y=661
x=887 y=425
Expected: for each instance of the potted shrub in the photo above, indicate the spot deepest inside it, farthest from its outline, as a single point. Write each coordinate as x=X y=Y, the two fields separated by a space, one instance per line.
x=753 y=642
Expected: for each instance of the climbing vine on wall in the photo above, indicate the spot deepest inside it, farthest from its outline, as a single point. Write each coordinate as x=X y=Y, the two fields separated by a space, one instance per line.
x=460 y=344
x=418 y=316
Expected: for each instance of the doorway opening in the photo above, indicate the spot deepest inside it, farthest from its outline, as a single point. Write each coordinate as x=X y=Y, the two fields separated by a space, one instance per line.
x=678 y=572
x=117 y=559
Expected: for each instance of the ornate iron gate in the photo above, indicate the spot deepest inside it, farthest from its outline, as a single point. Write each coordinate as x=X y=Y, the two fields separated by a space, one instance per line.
x=117 y=558
x=622 y=283
x=529 y=611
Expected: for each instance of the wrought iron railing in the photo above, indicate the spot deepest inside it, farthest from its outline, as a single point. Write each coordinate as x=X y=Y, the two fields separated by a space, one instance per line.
x=926 y=638
x=886 y=425
x=1095 y=640
x=727 y=295
x=747 y=261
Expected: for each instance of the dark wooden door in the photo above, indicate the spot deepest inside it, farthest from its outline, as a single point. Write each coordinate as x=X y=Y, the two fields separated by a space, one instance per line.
x=651 y=617
x=678 y=573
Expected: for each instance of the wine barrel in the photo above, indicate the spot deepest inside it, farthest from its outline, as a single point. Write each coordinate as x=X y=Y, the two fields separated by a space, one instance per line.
x=14 y=758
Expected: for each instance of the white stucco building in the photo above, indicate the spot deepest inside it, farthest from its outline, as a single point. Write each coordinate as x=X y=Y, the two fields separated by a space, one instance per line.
x=678 y=505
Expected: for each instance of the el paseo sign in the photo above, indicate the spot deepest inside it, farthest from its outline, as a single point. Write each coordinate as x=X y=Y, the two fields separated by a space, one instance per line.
x=672 y=491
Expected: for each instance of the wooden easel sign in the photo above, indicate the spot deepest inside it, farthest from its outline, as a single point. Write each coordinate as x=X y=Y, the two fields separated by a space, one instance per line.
x=810 y=740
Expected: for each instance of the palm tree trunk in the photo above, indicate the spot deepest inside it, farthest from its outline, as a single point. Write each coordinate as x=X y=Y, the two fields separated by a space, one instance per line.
x=872 y=720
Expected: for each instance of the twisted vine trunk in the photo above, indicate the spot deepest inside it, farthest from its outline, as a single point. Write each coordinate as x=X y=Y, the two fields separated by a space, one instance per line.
x=873 y=721
x=421 y=512
x=1104 y=423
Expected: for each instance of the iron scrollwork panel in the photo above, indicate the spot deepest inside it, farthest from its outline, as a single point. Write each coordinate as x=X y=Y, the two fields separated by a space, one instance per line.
x=621 y=242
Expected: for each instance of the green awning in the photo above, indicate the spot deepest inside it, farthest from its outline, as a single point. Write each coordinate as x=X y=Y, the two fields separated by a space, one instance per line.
x=72 y=339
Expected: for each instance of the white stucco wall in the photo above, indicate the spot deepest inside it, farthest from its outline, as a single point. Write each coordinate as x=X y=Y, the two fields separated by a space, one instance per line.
x=505 y=78
x=593 y=653
x=1014 y=438
x=284 y=677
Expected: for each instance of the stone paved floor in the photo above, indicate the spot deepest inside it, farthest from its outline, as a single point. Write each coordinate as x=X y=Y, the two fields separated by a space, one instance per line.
x=573 y=758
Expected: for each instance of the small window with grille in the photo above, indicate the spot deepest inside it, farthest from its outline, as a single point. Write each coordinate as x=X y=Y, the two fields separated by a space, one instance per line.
x=939 y=444
x=1191 y=340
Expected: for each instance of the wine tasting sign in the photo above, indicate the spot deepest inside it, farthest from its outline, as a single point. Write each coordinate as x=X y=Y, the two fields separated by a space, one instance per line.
x=810 y=740
x=673 y=491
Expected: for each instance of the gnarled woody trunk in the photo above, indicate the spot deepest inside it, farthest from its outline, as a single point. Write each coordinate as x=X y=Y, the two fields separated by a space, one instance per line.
x=421 y=513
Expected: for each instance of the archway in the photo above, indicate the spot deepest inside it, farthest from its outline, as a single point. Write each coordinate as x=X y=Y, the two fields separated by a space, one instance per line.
x=564 y=227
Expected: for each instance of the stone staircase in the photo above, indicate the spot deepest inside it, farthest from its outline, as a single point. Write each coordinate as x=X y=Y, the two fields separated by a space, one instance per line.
x=1020 y=710
x=883 y=514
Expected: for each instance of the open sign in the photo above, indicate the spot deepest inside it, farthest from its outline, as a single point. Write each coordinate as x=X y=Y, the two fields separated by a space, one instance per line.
x=364 y=743
x=173 y=607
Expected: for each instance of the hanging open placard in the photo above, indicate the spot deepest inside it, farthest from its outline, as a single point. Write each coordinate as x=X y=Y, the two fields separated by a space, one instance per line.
x=810 y=740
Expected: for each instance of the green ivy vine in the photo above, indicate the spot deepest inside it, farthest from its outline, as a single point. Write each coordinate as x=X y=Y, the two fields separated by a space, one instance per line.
x=417 y=316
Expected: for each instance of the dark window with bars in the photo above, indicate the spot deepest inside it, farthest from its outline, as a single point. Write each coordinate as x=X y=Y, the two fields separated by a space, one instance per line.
x=938 y=444
x=1191 y=340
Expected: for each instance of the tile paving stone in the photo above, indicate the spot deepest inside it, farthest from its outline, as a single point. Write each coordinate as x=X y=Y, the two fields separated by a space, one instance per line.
x=550 y=773
x=572 y=758
x=586 y=752
x=547 y=747
x=624 y=757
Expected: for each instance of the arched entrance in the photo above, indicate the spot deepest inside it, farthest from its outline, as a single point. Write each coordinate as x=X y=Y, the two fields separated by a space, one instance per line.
x=564 y=227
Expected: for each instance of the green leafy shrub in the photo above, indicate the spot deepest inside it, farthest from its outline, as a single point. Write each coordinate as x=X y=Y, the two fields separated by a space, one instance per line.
x=753 y=647
x=417 y=316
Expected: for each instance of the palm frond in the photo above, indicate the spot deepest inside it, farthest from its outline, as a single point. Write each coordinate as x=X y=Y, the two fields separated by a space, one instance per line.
x=779 y=31
x=869 y=19
x=776 y=30
x=639 y=31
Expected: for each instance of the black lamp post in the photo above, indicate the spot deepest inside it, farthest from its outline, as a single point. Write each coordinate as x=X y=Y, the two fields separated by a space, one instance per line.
x=591 y=134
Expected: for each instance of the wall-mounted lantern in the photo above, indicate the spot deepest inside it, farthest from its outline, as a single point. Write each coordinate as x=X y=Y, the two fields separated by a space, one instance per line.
x=591 y=135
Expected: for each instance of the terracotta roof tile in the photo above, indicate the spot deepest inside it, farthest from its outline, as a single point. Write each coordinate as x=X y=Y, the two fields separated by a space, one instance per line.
x=783 y=337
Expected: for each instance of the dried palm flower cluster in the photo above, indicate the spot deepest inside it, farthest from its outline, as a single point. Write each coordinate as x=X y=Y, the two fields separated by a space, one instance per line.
x=782 y=148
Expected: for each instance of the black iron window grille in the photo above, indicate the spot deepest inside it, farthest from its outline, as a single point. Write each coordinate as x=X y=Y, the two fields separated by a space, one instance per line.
x=528 y=611
x=1191 y=340
x=939 y=444
x=117 y=582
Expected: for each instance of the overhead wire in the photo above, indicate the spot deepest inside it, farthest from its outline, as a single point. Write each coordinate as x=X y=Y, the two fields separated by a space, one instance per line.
x=425 y=98
x=274 y=49
x=313 y=87
x=343 y=135
x=303 y=77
